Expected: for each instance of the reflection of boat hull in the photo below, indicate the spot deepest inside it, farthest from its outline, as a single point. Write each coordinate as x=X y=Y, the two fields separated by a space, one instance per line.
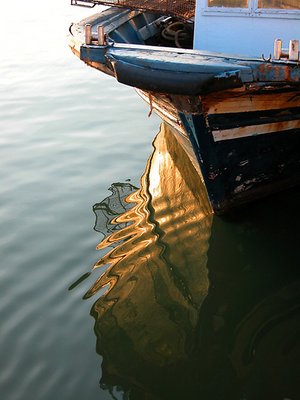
x=241 y=115
x=157 y=276
x=178 y=322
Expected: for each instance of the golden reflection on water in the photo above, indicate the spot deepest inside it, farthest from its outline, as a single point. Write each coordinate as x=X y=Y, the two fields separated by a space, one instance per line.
x=195 y=306
x=163 y=214
x=157 y=277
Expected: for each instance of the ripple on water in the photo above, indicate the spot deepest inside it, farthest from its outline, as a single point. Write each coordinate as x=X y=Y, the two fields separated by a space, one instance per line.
x=60 y=124
x=182 y=297
x=66 y=133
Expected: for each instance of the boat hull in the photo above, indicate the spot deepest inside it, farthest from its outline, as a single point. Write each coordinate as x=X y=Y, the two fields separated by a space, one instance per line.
x=241 y=116
x=246 y=148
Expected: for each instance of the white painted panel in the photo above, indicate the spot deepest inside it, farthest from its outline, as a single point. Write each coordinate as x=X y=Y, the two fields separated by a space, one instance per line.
x=243 y=32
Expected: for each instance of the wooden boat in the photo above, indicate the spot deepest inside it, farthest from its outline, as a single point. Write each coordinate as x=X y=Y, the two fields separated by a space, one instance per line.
x=236 y=101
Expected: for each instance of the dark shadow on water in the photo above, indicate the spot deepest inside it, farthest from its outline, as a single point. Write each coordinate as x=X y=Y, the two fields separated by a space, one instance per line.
x=197 y=306
x=112 y=206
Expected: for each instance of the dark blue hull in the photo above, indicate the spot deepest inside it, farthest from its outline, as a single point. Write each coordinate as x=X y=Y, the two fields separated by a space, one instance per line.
x=237 y=171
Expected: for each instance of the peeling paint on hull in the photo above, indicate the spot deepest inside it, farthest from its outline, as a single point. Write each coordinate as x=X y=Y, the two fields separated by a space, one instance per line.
x=240 y=170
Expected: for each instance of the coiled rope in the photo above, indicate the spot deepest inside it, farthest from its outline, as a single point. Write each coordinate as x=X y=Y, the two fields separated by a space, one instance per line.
x=178 y=33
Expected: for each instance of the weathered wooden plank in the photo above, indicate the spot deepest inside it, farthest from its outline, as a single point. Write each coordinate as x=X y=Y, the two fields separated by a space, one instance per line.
x=238 y=100
x=239 y=119
x=254 y=130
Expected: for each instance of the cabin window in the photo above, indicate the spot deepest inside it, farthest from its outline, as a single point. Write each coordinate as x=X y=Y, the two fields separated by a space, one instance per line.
x=228 y=3
x=280 y=4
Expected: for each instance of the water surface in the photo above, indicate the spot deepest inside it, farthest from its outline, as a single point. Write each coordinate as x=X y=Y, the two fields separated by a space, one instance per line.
x=195 y=306
x=183 y=304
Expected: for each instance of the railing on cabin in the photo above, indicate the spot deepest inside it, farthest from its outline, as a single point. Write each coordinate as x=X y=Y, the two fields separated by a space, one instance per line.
x=181 y=8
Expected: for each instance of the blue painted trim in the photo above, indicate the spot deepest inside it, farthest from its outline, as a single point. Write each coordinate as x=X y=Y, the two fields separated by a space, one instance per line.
x=93 y=54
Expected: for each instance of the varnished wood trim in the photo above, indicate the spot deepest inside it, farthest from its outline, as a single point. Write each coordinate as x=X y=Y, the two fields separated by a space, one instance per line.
x=254 y=130
x=241 y=101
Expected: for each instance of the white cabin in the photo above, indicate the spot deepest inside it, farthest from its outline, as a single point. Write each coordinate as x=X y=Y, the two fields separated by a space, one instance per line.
x=245 y=27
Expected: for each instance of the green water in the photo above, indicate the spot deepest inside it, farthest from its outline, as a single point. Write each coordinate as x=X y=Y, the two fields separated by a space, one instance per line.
x=183 y=304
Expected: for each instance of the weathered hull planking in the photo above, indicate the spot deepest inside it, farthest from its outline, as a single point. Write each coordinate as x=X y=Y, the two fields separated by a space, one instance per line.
x=246 y=148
